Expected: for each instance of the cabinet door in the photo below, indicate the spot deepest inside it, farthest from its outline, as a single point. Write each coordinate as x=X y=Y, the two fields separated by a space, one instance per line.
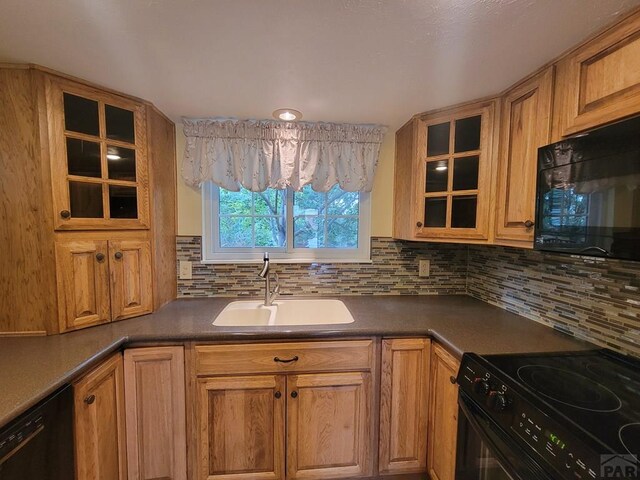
x=599 y=83
x=131 y=289
x=155 y=412
x=99 y=423
x=454 y=165
x=82 y=282
x=443 y=415
x=241 y=427
x=98 y=153
x=403 y=405
x=328 y=425
x=525 y=126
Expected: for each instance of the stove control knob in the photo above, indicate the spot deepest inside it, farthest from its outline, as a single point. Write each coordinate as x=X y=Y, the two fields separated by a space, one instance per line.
x=481 y=386
x=500 y=401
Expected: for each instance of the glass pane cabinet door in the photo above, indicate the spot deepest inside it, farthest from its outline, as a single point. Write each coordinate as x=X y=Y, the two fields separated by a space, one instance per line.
x=98 y=160
x=453 y=163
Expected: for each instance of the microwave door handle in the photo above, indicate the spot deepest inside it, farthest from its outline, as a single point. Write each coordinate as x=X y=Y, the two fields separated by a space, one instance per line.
x=598 y=249
x=512 y=471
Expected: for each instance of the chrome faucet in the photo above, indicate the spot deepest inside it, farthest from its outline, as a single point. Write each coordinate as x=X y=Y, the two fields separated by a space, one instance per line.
x=269 y=296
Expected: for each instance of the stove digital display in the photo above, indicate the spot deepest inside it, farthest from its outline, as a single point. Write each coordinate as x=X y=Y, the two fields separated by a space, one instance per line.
x=554 y=439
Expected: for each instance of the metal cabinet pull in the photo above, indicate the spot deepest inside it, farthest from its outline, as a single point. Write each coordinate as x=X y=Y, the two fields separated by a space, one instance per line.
x=419 y=224
x=281 y=360
x=118 y=255
x=529 y=224
x=452 y=379
x=65 y=214
x=294 y=394
x=89 y=399
x=100 y=257
x=277 y=394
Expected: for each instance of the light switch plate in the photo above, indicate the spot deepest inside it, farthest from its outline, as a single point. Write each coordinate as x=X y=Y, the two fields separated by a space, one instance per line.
x=424 y=268
x=186 y=271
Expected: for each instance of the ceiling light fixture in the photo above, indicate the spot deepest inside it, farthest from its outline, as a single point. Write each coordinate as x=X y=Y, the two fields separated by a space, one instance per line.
x=441 y=168
x=287 y=114
x=113 y=156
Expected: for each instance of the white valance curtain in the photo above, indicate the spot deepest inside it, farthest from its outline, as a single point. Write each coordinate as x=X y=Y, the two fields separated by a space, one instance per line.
x=261 y=154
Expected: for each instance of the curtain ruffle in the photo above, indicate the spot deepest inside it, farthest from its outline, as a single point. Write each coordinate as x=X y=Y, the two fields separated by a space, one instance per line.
x=261 y=154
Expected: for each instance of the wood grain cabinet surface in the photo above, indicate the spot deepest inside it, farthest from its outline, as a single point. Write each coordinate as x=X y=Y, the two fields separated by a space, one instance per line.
x=309 y=419
x=599 y=82
x=443 y=415
x=404 y=400
x=82 y=161
x=154 y=383
x=444 y=174
x=100 y=423
x=525 y=125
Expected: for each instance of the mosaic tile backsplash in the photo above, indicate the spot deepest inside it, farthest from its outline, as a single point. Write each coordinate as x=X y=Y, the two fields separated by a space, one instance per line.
x=595 y=299
x=393 y=271
x=590 y=298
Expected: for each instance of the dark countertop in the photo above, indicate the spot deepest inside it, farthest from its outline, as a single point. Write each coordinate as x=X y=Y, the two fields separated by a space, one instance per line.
x=33 y=367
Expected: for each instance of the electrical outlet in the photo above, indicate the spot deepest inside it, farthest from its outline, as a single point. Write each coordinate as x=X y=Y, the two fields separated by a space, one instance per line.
x=424 y=267
x=186 y=272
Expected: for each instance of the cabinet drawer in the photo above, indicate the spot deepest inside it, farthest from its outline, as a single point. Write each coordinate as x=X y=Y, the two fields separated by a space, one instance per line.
x=351 y=355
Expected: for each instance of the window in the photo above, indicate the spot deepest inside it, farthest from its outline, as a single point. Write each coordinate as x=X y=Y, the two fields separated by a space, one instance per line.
x=292 y=226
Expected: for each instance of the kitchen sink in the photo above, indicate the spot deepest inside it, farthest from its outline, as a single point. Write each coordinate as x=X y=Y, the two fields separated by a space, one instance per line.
x=253 y=313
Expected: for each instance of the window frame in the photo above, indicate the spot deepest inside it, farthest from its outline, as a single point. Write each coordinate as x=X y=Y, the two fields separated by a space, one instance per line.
x=214 y=254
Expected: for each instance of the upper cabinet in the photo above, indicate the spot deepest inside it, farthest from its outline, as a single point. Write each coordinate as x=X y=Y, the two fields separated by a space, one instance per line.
x=98 y=158
x=443 y=181
x=525 y=125
x=599 y=82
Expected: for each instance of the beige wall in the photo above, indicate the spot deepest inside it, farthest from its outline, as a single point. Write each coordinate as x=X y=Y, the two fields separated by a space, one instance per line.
x=190 y=204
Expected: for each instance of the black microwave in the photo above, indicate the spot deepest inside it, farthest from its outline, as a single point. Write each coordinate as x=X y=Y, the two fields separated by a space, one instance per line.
x=588 y=193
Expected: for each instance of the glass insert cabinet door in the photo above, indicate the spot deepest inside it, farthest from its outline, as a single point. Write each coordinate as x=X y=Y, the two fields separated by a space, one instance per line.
x=454 y=163
x=98 y=158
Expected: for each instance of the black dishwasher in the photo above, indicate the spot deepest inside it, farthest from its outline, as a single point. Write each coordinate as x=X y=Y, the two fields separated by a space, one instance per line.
x=39 y=443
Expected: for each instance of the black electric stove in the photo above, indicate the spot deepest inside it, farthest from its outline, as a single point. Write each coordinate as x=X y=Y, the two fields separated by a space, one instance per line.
x=572 y=413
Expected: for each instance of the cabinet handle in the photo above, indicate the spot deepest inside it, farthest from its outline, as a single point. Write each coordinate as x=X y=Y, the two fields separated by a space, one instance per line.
x=277 y=394
x=89 y=399
x=419 y=224
x=118 y=255
x=65 y=214
x=529 y=224
x=452 y=379
x=294 y=394
x=280 y=360
x=100 y=256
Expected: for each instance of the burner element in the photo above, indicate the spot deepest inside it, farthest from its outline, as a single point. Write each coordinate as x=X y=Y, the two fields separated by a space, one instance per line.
x=629 y=435
x=569 y=388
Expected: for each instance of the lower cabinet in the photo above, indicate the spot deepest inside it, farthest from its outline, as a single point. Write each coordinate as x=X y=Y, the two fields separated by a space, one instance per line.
x=99 y=423
x=290 y=404
x=100 y=279
x=443 y=415
x=154 y=384
x=404 y=400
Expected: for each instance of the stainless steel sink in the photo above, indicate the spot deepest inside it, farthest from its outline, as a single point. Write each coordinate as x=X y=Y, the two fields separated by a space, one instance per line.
x=253 y=313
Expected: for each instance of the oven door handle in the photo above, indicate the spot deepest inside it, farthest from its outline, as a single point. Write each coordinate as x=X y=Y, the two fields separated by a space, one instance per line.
x=475 y=416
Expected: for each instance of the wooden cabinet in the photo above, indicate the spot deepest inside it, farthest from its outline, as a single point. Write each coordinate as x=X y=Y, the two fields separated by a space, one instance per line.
x=98 y=157
x=443 y=175
x=256 y=413
x=599 y=82
x=101 y=280
x=241 y=427
x=82 y=161
x=525 y=125
x=443 y=415
x=100 y=423
x=328 y=425
x=130 y=262
x=404 y=397
x=83 y=283
x=154 y=384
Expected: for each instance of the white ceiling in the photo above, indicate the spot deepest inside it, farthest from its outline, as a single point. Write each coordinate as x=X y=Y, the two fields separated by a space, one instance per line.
x=335 y=60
